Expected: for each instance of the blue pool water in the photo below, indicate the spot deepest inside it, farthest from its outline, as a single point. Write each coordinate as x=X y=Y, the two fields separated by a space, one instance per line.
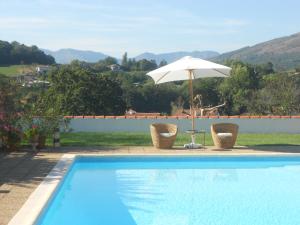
x=177 y=191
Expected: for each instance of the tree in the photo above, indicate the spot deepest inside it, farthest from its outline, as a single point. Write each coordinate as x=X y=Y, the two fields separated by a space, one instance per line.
x=146 y=65
x=154 y=98
x=125 y=60
x=162 y=63
x=5 y=49
x=283 y=95
x=265 y=69
x=236 y=90
x=132 y=65
x=78 y=91
x=109 y=61
x=10 y=101
x=207 y=88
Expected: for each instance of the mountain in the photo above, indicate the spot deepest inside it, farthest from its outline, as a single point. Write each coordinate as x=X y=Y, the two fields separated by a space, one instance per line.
x=171 y=57
x=65 y=56
x=283 y=52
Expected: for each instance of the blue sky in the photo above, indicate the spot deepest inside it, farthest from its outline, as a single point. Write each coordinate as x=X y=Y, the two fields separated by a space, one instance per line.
x=136 y=26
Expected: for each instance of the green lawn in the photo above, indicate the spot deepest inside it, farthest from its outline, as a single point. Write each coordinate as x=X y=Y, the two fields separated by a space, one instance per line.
x=15 y=69
x=144 y=139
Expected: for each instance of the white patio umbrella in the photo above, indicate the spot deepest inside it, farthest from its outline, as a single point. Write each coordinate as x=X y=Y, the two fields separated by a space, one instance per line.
x=189 y=68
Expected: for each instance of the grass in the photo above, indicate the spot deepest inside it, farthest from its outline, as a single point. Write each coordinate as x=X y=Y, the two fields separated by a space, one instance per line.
x=15 y=69
x=144 y=139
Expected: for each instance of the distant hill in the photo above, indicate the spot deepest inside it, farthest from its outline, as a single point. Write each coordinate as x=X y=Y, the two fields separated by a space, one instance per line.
x=283 y=52
x=173 y=56
x=15 y=53
x=65 y=56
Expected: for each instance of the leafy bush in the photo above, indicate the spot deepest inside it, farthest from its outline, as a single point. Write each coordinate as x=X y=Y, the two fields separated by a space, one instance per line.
x=10 y=110
x=10 y=137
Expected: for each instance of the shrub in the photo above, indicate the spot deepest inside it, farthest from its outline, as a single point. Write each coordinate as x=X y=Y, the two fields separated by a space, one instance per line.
x=10 y=138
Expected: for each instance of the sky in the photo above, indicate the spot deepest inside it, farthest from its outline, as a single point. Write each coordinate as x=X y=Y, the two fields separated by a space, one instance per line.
x=136 y=26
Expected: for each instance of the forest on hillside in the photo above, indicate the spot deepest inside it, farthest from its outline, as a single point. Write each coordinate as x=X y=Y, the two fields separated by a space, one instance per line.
x=15 y=53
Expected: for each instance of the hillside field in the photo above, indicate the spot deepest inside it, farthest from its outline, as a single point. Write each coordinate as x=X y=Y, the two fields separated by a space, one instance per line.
x=15 y=70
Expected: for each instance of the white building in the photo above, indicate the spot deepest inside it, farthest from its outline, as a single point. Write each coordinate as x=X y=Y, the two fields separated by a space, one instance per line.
x=115 y=67
x=42 y=69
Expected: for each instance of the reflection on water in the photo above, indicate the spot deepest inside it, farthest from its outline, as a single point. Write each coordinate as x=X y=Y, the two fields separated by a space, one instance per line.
x=226 y=175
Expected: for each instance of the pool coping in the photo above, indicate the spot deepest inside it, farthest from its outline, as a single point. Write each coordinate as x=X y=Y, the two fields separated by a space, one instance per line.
x=29 y=212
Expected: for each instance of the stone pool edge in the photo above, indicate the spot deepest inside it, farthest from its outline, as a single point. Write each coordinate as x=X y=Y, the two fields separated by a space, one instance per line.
x=31 y=209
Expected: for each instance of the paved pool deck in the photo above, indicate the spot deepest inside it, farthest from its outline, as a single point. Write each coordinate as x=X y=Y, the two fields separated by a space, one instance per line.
x=22 y=172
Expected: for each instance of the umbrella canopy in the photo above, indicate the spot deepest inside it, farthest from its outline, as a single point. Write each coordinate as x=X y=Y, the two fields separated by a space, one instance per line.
x=181 y=69
x=189 y=68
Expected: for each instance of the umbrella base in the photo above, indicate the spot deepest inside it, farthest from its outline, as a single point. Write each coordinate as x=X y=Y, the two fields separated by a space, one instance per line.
x=192 y=146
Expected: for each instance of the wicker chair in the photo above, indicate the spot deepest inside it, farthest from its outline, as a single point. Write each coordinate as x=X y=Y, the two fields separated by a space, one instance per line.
x=163 y=135
x=224 y=134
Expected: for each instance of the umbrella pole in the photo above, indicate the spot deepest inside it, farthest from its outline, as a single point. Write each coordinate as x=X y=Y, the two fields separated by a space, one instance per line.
x=192 y=111
x=192 y=107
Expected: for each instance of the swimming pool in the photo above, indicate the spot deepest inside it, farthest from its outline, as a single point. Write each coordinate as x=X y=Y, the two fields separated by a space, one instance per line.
x=177 y=190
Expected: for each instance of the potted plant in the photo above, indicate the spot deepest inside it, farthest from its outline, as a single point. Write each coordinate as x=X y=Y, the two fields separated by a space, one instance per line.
x=43 y=131
x=32 y=135
x=41 y=141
